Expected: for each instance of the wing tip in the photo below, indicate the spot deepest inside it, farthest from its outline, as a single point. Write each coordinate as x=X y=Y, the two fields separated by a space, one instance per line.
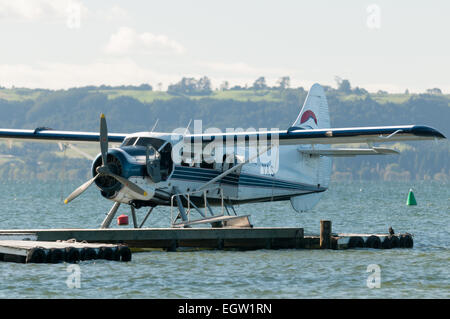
x=422 y=130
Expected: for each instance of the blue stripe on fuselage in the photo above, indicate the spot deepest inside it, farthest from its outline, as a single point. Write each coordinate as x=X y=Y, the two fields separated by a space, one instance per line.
x=205 y=175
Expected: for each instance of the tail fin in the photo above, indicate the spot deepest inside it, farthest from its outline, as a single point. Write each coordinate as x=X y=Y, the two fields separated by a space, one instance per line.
x=314 y=113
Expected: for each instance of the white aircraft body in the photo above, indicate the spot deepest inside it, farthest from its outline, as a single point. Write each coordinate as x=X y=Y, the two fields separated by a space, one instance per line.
x=199 y=171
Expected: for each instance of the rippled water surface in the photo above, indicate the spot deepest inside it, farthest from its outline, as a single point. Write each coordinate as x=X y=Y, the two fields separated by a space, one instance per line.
x=421 y=272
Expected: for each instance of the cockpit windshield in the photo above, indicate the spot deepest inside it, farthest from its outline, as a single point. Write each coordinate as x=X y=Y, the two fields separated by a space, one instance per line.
x=143 y=141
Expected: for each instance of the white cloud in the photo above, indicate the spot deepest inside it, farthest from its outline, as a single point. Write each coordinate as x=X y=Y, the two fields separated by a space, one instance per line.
x=127 y=41
x=52 y=75
x=33 y=10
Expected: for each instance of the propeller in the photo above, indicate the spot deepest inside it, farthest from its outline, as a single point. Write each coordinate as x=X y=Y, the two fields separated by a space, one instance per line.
x=104 y=170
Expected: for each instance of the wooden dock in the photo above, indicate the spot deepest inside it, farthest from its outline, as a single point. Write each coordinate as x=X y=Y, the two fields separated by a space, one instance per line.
x=173 y=238
x=247 y=238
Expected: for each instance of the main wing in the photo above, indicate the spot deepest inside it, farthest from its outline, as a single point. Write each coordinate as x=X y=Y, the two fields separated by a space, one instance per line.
x=49 y=135
x=297 y=136
x=292 y=136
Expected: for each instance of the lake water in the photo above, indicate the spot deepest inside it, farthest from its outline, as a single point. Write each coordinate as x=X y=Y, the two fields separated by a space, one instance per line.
x=421 y=272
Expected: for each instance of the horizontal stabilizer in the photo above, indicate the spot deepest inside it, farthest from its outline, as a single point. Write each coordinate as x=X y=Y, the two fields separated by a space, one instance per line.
x=345 y=152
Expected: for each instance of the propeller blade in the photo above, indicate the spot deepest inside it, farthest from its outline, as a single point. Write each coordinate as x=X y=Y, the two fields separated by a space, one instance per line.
x=129 y=184
x=80 y=190
x=103 y=138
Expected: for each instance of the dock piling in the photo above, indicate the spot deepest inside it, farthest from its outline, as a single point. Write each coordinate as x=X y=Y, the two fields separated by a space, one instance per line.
x=325 y=234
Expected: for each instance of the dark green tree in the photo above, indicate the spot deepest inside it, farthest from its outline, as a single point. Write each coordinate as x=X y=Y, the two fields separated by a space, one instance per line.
x=284 y=82
x=260 y=84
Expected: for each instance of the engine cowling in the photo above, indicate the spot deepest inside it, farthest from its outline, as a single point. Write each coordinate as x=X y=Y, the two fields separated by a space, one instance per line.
x=107 y=184
x=123 y=164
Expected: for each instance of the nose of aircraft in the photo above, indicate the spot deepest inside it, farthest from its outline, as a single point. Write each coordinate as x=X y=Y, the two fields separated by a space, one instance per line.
x=107 y=170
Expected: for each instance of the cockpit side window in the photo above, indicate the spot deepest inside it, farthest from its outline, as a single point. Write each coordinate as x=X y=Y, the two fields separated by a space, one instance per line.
x=129 y=141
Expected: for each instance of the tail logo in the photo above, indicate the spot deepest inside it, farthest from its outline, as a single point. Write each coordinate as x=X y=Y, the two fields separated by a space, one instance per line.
x=308 y=114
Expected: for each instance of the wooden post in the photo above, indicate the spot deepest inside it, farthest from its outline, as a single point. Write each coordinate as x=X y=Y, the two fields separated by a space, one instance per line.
x=325 y=234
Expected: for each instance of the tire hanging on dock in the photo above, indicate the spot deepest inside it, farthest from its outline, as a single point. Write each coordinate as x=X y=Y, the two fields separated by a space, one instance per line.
x=387 y=243
x=125 y=253
x=116 y=254
x=89 y=253
x=35 y=255
x=82 y=254
x=373 y=242
x=72 y=255
x=406 y=241
x=355 y=241
x=56 y=255
x=395 y=242
x=107 y=253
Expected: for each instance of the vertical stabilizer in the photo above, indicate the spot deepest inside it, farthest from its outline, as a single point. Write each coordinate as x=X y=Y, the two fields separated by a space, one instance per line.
x=314 y=113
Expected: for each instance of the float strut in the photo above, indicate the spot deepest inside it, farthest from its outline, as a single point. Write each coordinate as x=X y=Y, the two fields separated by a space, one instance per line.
x=109 y=217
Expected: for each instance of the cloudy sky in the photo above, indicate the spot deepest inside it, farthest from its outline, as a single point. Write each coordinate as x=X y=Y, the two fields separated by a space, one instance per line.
x=389 y=45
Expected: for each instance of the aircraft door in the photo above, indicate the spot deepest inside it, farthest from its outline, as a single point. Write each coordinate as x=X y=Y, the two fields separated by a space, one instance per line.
x=158 y=162
x=153 y=163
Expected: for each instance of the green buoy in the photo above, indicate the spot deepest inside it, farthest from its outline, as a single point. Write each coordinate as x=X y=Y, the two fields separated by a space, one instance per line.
x=411 y=199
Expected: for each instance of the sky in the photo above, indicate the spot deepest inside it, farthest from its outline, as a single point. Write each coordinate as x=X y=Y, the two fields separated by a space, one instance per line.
x=377 y=45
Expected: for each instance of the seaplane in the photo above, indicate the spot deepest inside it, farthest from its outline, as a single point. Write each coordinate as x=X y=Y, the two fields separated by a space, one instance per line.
x=210 y=171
